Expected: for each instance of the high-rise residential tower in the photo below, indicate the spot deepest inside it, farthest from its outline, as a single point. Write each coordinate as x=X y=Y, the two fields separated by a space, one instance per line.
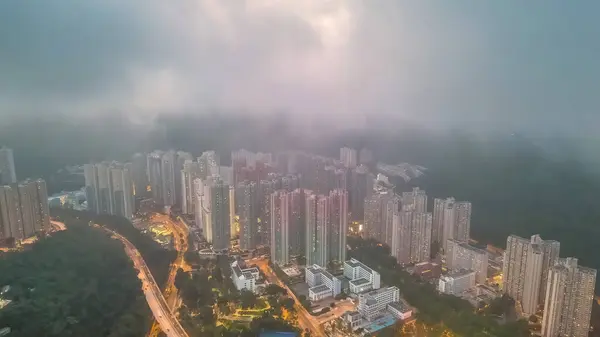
x=297 y=230
x=8 y=175
x=182 y=158
x=215 y=207
x=109 y=188
x=401 y=236
x=139 y=172
x=122 y=189
x=168 y=169
x=375 y=210
x=360 y=187
x=348 y=157
x=280 y=226
x=27 y=204
x=569 y=297
x=338 y=229
x=461 y=255
x=525 y=269
x=189 y=173
x=246 y=194
x=411 y=236
x=420 y=242
x=451 y=221
x=415 y=200
x=11 y=223
x=155 y=175
x=317 y=227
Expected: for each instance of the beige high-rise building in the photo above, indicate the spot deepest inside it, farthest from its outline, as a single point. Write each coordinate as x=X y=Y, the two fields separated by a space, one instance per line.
x=189 y=173
x=525 y=269
x=569 y=297
x=182 y=158
x=316 y=230
x=246 y=194
x=280 y=226
x=109 y=188
x=215 y=220
x=410 y=236
x=29 y=208
x=551 y=251
x=451 y=221
x=461 y=255
x=533 y=278
x=123 y=202
x=379 y=209
x=338 y=228
x=11 y=223
x=462 y=226
x=420 y=242
x=514 y=267
x=400 y=247
x=391 y=205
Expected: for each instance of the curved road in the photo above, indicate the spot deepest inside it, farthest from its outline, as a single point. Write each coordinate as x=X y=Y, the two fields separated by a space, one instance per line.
x=163 y=315
x=170 y=292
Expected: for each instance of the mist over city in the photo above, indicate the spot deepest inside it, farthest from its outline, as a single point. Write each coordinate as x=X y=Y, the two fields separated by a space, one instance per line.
x=299 y=168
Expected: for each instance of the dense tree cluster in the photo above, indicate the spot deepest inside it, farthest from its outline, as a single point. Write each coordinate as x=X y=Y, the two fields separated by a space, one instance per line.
x=157 y=258
x=209 y=295
x=78 y=282
x=433 y=308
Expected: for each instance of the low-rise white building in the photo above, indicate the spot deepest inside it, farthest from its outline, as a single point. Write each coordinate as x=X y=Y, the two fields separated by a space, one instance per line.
x=362 y=278
x=400 y=309
x=457 y=283
x=354 y=319
x=373 y=303
x=322 y=284
x=244 y=278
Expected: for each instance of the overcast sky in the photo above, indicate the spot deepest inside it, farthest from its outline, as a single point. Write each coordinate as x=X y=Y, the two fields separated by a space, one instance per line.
x=526 y=65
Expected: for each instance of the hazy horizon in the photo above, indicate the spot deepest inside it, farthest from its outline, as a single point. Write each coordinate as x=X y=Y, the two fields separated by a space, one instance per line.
x=477 y=66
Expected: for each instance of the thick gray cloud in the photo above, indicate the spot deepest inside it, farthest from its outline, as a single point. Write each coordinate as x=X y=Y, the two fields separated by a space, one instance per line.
x=505 y=64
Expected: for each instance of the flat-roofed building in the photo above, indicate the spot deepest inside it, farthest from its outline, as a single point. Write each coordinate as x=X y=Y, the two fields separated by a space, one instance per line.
x=353 y=318
x=400 y=309
x=244 y=278
x=373 y=303
x=322 y=284
x=362 y=278
x=457 y=282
